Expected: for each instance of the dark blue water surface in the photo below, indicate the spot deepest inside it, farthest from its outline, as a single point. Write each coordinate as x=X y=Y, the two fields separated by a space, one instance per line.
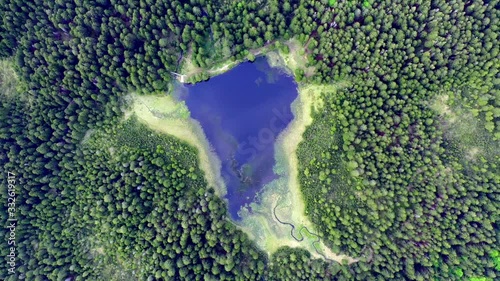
x=242 y=112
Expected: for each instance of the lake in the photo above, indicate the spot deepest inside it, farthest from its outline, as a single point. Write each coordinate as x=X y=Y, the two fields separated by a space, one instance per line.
x=242 y=112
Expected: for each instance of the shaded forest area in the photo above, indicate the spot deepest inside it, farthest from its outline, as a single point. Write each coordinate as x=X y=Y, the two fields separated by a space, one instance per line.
x=383 y=178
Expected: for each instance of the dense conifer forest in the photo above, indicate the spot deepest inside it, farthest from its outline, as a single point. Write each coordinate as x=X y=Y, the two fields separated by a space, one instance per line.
x=400 y=168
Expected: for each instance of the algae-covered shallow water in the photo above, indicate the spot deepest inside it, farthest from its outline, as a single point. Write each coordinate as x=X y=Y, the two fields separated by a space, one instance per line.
x=242 y=112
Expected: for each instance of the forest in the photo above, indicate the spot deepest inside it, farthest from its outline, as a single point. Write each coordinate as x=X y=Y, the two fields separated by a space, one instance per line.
x=400 y=168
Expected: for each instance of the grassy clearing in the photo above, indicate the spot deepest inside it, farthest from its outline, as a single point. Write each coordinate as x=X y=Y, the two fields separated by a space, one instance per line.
x=10 y=85
x=165 y=115
x=8 y=78
x=285 y=193
x=441 y=105
x=188 y=67
x=112 y=267
x=292 y=57
x=467 y=132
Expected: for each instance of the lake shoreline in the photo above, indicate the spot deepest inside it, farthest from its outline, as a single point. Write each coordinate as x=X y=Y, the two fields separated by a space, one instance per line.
x=161 y=113
x=241 y=113
x=293 y=60
x=281 y=197
x=282 y=200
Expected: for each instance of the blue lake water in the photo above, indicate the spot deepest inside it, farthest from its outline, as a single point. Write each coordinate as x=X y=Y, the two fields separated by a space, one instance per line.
x=242 y=112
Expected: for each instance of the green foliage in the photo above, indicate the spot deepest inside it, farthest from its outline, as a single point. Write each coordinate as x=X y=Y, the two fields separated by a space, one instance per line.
x=10 y=86
x=250 y=57
x=458 y=272
x=482 y=100
x=147 y=196
x=160 y=204
x=383 y=175
x=412 y=197
x=296 y=264
x=495 y=255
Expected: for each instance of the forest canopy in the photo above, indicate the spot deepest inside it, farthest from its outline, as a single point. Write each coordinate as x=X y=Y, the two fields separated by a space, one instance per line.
x=400 y=168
